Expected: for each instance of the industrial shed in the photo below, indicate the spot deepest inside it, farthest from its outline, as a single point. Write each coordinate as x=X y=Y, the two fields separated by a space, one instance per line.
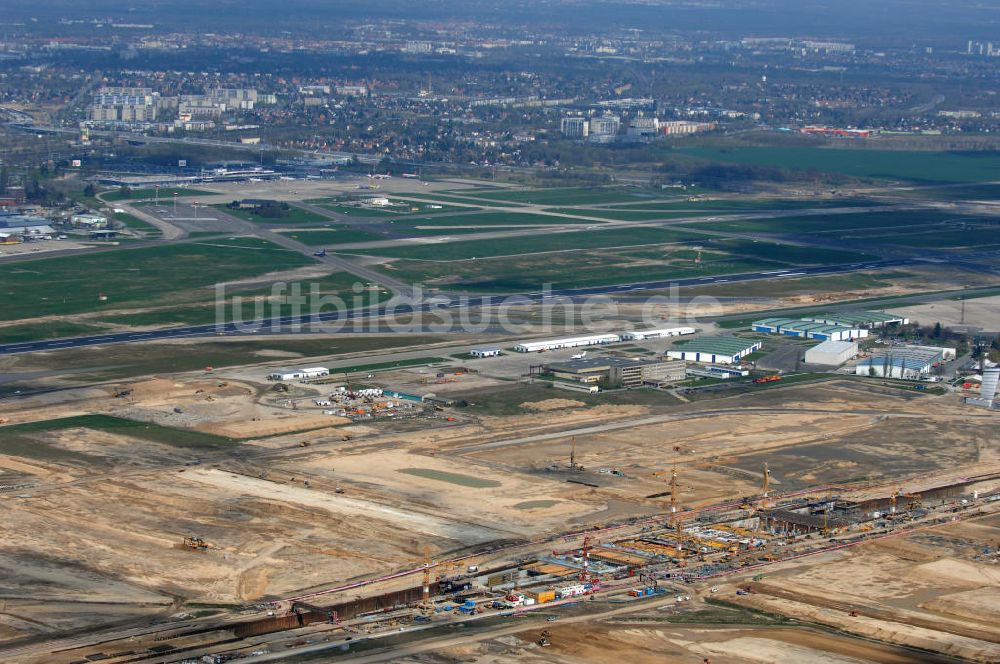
x=806 y=329
x=866 y=319
x=714 y=350
x=907 y=363
x=832 y=353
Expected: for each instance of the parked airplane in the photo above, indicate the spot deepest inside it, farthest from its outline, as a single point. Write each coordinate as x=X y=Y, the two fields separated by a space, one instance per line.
x=579 y=356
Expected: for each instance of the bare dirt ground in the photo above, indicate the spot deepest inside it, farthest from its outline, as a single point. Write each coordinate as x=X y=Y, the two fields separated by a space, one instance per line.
x=936 y=590
x=981 y=312
x=103 y=516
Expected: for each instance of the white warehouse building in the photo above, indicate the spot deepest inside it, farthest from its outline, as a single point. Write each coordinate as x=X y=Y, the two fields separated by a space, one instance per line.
x=568 y=342
x=298 y=374
x=832 y=353
x=639 y=335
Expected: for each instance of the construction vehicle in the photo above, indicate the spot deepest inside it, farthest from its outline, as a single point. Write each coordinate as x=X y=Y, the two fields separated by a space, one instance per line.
x=121 y=392
x=766 y=379
x=195 y=543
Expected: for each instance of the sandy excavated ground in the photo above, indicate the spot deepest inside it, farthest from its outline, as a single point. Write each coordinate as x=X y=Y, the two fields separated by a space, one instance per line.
x=927 y=590
x=652 y=640
x=108 y=526
x=981 y=312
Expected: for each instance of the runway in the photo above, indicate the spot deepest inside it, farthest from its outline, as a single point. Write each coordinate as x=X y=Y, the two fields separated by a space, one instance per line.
x=288 y=324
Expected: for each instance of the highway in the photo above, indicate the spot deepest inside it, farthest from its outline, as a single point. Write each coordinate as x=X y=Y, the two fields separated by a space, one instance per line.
x=404 y=309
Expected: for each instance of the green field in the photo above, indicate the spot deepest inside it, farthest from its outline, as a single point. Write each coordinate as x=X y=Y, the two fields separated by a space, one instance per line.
x=786 y=253
x=336 y=235
x=57 y=329
x=401 y=208
x=166 y=194
x=450 y=478
x=973 y=236
x=562 y=196
x=707 y=206
x=294 y=215
x=123 y=361
x=149 y=276
x=879 y=164
x=254 y=304
x=476 y=249
x=28 y=440
x=133 y=223
x=811 y=285
x=382 y=366
x=626 y=215
x=499 y=219
x=434 y=197
x=974 y=192
x=833 y=223
x=573 y=269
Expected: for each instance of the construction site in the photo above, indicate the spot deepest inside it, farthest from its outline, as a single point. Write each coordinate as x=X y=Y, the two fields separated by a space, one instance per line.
x=218 y=514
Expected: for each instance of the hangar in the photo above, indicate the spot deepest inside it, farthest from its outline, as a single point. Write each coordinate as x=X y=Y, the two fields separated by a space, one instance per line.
x=714 y=350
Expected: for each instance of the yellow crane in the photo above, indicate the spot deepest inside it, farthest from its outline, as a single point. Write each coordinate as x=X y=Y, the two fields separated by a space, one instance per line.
x=765 y=487
x=672 y=484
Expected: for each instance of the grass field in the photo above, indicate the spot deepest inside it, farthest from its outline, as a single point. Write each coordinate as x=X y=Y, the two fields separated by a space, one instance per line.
x=707 y=206
x=172 y=274
x=499 y=219
x=121 y=361
x=973 y=192
x=254 y=304
x=166 y=194
x=133 y=223
x=572 y=269
x=786 y=253
x=880 y=164
x=27 y=439
x=476 y=249
x=434 y=197
x=833 y=223
x=626 y=215
x=971 y=236
x=336 y=235
x=450 y=478
x=57 y=329
x=400 y=208
x=294 y=215
x=811 y=285
x=562 y=196
x=382 y=366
